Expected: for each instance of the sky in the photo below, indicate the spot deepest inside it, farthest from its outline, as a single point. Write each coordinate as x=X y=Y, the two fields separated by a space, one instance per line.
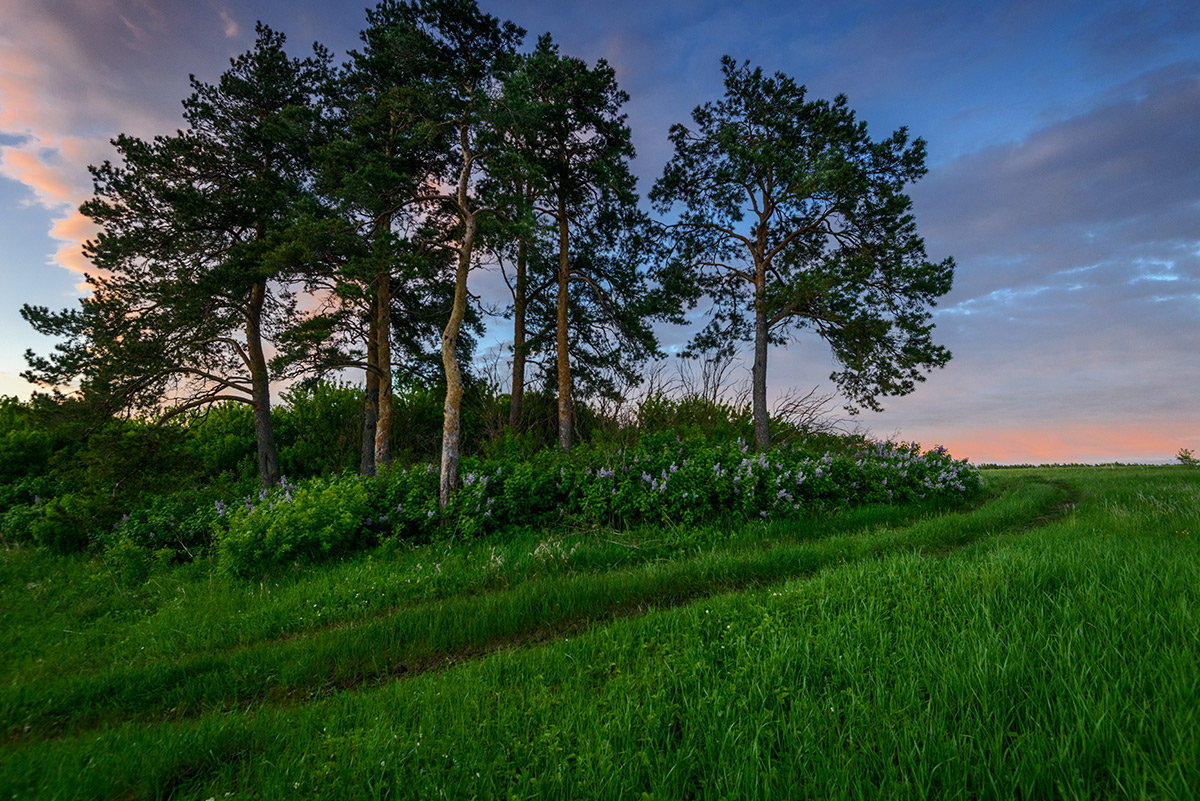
x=1063 y=153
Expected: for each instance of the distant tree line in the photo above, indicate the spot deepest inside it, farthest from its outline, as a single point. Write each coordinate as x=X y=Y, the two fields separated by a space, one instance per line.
x=316 y=217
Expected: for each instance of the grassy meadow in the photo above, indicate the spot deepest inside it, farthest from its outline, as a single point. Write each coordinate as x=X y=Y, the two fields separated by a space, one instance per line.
x=1042 y=642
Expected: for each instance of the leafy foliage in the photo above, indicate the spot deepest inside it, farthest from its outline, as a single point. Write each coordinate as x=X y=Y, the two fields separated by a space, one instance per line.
x=90 y=479
x=319 y=428
x=321 y=518
x=791 y=218
x=176 y=526
x=662 y=480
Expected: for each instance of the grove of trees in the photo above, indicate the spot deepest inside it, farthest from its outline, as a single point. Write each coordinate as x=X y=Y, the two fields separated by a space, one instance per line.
x=314 y=218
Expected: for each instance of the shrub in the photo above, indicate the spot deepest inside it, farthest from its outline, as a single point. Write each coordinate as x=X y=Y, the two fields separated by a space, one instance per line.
x=318 y=519
x=61 y=524
x=661 y=480
x=319 y=429
x=409 y=509
x=179 y=524
x=417 y=423
x=130 y=562
x=694 y=416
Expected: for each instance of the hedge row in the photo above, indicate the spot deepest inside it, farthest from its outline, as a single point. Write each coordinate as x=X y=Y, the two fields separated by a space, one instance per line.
x=661 y=481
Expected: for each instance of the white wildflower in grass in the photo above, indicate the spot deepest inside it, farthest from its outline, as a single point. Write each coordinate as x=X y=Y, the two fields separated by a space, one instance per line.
x=552 y=551
x=495 y=560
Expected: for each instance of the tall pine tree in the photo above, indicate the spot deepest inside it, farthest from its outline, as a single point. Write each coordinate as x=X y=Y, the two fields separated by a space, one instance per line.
x=568 y=153
x=196 y=244
x=461 y=54
x=383 y=281
x=793 y=218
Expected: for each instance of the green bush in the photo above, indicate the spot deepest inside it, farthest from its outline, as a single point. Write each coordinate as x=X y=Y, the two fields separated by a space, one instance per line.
x=409 y=510
x=694 y=417
x=417 y=423
x=319 y=429
x=63 y=524
x=129 y=561
x=16 y=523
x=221 y=439
x=25 y=446
x=179 y=524
x=662 y=480
x=318 y=519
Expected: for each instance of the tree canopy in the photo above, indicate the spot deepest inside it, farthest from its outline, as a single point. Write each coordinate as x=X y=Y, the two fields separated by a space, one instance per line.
x=566 y=165
x=315 y=218
x=792 y=218
x=197 y=241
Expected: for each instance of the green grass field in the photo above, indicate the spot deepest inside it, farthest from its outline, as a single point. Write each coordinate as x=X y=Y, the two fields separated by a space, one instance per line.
x=1042 y=643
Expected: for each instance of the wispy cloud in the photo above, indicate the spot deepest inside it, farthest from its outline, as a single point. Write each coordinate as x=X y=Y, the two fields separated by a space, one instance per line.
x=1077 y=299
x=71 y=78
x=232 y=28
x=51 y=186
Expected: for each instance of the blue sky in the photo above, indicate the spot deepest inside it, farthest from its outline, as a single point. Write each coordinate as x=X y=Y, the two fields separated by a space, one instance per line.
x=1064 y=154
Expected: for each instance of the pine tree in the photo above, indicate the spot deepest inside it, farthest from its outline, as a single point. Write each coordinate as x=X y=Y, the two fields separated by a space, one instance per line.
x=196 y=247
x=793 y=219
x=568 y=154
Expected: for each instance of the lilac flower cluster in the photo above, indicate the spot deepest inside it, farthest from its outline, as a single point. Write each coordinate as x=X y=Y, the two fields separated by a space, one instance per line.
x=686 y=482
x=663 y=481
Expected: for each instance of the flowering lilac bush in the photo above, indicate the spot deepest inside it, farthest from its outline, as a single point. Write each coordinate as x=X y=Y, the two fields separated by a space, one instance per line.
x=687 y=482
x=178 y=525
x=662 y=480
x=317 y=519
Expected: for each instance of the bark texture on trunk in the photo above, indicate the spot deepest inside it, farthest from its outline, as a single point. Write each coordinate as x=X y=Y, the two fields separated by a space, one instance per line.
x=260 y=390
x=366 y=463
x=758 y=378
x=452 y=410
x=564 y=362
x=383 y=345
x=517 y=395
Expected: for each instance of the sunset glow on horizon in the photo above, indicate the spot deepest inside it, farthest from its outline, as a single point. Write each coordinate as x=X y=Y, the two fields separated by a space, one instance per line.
x=1067 y=445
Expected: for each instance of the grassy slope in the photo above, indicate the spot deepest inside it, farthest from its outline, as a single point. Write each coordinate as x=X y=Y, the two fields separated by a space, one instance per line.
x=1027 y=648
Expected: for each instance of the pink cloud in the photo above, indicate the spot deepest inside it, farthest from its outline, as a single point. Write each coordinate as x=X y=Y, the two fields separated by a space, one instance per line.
x=73 y=231
x=50 y=185
x=64 y=96
x=232 y=28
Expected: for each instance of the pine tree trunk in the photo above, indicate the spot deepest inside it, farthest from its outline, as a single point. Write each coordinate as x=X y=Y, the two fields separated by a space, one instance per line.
x=517 y=395
x=564 y=363
x=758 y=377
x=383 y=344
x=366 y=464
x=260 y=391
x=452 y=410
